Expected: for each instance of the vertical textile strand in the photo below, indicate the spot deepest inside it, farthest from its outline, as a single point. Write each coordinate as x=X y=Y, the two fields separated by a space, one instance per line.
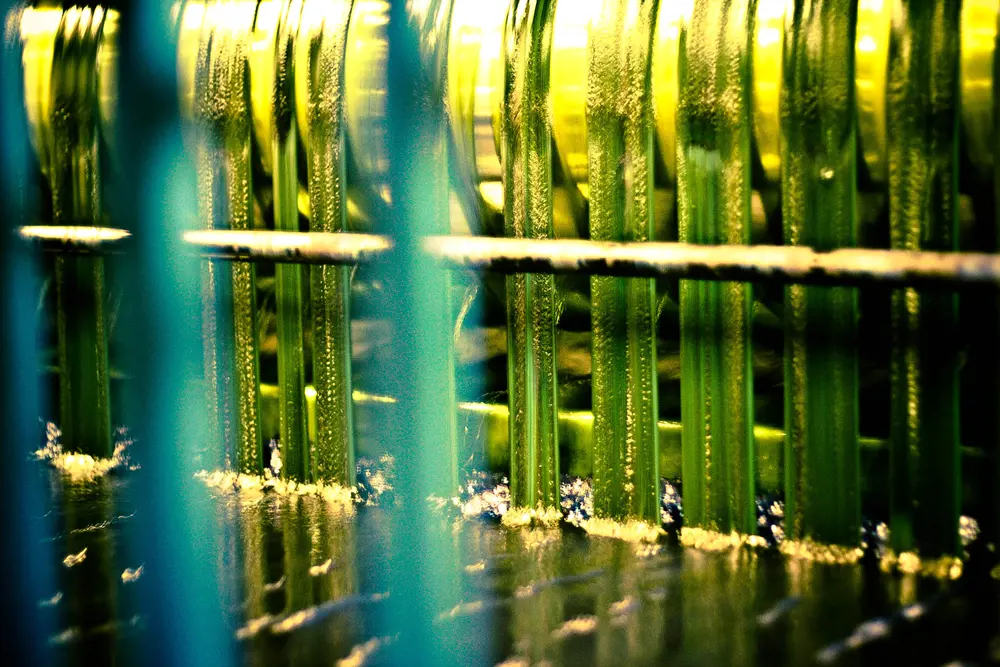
x=532 y=307
x=620 y=150
x=819 y=189
x=923 y=215
x=330 y=285
x=229 y=308
x=216 y=292
x=289 y=277
x=74 y=176
x=246 y=345
x=713 y=168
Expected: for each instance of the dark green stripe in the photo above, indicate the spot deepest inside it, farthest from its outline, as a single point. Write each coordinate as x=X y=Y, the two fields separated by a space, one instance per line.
x=330 y=293
x=619 y=124
x=713 y=164
x=289 y=277
x=532 y=308
x=923 y=193
x=819 y=190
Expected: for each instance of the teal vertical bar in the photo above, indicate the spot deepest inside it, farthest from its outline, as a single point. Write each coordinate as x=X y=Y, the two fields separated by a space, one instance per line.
x=623 y=312
x=289 y=281
x=923 y=112
x=532 y=308
x=713 y=167
x=74 y=177
x=819 y=192
x=182 y=610
x=423 y=559
x=23 y=490
x=331 y=285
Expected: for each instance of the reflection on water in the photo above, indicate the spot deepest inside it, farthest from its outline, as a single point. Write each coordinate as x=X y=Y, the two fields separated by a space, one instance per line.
x=299 y=581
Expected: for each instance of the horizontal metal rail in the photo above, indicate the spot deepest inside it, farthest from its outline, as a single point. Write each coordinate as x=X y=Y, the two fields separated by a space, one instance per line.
x=782 y=264
x=289 y=247
x=74 y=239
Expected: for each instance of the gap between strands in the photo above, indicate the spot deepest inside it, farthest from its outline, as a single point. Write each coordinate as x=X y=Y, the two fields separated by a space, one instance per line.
x=760 y=263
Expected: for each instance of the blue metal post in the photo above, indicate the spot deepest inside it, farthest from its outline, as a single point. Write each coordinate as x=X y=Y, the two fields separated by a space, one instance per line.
x=182 y=610
x=22 y=487
x=423 y=574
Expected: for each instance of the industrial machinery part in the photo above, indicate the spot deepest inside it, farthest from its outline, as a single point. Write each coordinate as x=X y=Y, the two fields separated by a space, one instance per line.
x=703 y=227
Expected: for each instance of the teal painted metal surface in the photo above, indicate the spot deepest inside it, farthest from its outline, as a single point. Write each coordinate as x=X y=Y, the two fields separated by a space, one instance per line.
x=532 y=301
x=713 y=165
x=23 y=525
x=423 y=560
x=923 y=116
x=289 y=279
x=623 y=312
x=331 y=285
x=819 y=190
x=156 y=197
